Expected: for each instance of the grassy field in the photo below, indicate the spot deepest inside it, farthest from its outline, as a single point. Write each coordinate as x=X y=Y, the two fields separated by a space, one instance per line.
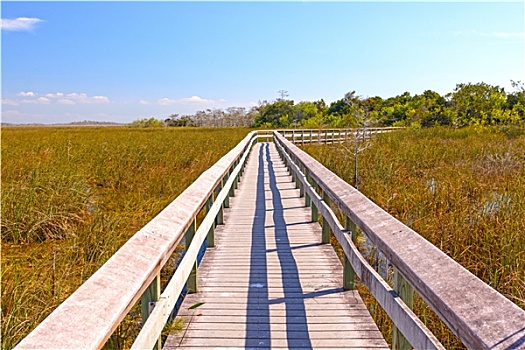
x=463 y=190
x=72 y=196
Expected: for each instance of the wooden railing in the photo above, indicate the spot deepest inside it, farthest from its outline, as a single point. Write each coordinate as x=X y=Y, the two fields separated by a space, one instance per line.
x=303 y=136
x=476 y=313
x=89 y=316
x=480 y=317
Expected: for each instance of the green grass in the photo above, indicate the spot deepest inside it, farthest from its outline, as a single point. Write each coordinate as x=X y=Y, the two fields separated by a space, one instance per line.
x=463 y=190
x=72 y=196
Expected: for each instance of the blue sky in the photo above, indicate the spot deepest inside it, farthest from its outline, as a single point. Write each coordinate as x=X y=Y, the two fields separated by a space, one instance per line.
x=121 y=61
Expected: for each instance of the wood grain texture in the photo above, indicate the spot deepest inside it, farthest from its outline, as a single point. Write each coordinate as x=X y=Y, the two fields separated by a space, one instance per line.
x=270 y=282
x=480 y=316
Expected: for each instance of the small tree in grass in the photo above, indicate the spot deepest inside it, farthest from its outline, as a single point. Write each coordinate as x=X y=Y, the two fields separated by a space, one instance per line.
x=147 y=123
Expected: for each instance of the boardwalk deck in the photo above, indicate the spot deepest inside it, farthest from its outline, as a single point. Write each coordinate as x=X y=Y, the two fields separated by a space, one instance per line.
x=270 y=282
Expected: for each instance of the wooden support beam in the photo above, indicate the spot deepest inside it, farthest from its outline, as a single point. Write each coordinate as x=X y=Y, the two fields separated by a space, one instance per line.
x=219 y=220
x=211 y=232
x=326 y=227
x=150 y=296
x=406 y=293
x=192 y=280
x=349 y=282
x=227 y=199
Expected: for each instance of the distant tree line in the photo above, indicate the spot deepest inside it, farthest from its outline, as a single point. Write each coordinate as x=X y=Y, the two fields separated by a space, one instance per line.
x=233 y=116
x=468 y=104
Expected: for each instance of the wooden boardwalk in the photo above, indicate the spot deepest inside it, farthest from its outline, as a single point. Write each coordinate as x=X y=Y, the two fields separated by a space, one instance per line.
x=270 y=282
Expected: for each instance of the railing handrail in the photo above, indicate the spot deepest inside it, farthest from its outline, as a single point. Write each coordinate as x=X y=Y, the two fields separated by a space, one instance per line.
x=152 y=328
x=332 y=135
x=88 y=317
x=481 y=317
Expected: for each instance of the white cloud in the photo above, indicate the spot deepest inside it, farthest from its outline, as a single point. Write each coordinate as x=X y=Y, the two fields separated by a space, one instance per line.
x=187 y=100
x=21 y=24
x=26 y=94
x=43 y=100
x=99 y=99
x=196 y=99
x=144 y=102
x=64 y=101
x=6 y=102
x=76 y=98
x=59 y=97
x=40 y=101
x=166 y=101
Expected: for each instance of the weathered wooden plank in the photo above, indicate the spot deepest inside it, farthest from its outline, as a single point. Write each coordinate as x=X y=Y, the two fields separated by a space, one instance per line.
x=298 y=311
x=480 y=316
x=285 y=334
x=313 y=327
x=371 y=343
x=309 y=304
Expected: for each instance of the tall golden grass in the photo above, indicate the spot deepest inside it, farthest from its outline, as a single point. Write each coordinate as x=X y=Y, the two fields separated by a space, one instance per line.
x=463 y=190
x=72 y=196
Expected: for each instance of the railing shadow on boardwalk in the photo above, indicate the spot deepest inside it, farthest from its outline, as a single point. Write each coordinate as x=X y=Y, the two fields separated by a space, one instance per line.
x=258 y=332
x=295 y=314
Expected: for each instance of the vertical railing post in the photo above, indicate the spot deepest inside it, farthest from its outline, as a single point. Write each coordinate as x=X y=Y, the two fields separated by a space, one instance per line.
x=297 y=180
x=315 y=212
x=219 y=220
x=210 y=238
x=406 y=293
x=326 y=227
x=307 y=199
x=348 y=270
x=302 y=137
x=227 y=199
x=301 y=185
x=150 y=296
x=192 y=279
x=301 y=189
x=234 y=185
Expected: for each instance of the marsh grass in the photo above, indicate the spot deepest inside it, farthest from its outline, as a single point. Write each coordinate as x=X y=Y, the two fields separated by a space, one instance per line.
x=463 y=190
x=72 y=196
